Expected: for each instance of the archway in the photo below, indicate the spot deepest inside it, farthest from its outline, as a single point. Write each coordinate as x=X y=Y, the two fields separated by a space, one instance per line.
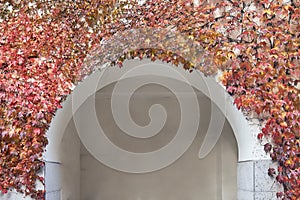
x=89 y=86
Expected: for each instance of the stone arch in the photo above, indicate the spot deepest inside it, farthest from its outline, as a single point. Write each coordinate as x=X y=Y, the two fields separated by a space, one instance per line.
x=119 y=45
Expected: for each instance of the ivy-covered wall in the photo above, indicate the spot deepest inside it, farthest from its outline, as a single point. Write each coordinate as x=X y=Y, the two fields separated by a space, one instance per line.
x=43 y=45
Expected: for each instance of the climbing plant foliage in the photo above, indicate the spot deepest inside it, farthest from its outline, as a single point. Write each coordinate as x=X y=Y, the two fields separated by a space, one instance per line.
x=43 y=50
